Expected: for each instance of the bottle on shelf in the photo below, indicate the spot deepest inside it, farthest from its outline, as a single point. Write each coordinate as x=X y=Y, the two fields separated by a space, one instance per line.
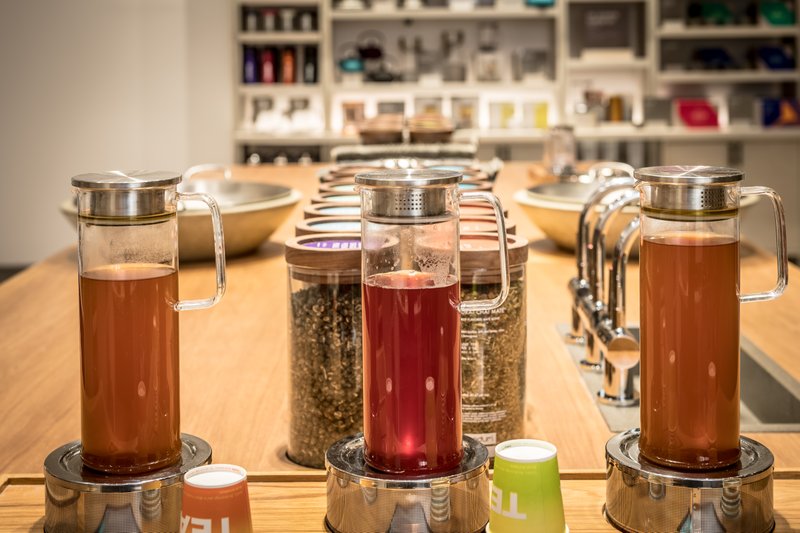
x=288 y=63
x=310 y=64
x=250 y=65
x=268 y=66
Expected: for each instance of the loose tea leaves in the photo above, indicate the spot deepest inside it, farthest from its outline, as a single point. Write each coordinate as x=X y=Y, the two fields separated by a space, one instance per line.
x=493 y=347
x=326 y=369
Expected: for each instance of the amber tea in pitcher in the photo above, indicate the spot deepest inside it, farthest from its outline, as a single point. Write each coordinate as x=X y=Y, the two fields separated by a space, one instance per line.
x=128 y=293
x=689 y=294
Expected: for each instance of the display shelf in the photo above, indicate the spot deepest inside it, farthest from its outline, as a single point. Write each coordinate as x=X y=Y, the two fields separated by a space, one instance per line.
x=278 y=37
x=443 y=89
x=630 y=132
x=638 y=63
x=605 y=132
x=279 y=89
x=433 y=13
x=726 y=32
x=606 y=2
x=638 y=76
x=250 y=136
x=728 y=76
x=279 y=3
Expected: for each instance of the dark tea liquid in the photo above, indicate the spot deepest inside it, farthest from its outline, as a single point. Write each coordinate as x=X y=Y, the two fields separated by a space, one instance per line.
x=130 y=416
x=690 y=351
x=412 y=373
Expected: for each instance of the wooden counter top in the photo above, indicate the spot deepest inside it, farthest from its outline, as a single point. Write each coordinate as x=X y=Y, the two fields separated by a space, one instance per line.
x=234 y=373
x=294 y=502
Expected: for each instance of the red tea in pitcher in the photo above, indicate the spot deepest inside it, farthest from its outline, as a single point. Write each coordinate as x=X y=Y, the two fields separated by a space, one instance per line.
x=412 y=373
x=129 y=368
x=690 y=350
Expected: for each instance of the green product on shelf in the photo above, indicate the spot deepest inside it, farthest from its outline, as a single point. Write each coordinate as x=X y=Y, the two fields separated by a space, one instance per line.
x=777 y=13
x=717 y=13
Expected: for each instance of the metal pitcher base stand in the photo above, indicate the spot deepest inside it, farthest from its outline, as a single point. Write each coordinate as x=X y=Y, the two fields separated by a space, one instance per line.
x=79 y=499
x=642 y=497
x=362 y=500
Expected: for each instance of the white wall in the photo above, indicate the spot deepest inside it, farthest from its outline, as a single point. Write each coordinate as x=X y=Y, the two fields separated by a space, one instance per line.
x=99 y=84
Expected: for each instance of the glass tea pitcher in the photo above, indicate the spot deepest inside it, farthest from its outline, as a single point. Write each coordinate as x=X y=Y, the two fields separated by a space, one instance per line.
x=689 y=295
x=128 y=291
x=410 y=305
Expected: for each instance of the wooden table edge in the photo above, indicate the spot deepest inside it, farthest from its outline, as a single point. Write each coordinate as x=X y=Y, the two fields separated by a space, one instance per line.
x=292 y=476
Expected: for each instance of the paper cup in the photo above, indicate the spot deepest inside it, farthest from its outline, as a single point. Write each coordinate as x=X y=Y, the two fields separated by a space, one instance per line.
x=215 y=500
x=526 y=489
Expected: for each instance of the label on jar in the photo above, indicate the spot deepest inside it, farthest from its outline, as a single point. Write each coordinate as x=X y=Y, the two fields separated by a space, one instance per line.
x=493 y=364
x=335 y=244
x=487 y=439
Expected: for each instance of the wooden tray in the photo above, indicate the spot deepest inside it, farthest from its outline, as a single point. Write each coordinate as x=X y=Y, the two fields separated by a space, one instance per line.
x=289 y=502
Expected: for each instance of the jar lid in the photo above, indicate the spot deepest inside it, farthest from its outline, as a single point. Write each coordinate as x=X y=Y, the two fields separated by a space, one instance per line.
x=689 y=175
x=479 y=251
x=331 y=209
x=336 y=198
x=325 y=251
x=126 y=179
x=408 y=178
x=351 y=224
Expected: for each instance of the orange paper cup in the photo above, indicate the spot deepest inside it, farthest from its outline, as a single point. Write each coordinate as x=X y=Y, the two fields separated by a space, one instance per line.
x=215 y=500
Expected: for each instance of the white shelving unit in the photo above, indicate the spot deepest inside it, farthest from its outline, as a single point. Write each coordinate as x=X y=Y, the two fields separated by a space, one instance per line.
x=636 y=64
x=279 y=89
x=729 y=76
x=641 y=73
x=725 y=32
x=434 y=13
x=279 y=37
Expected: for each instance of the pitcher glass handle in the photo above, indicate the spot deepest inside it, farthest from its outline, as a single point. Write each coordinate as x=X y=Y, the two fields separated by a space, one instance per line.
x=780 y=242
x=219 y=254
x=474 y=306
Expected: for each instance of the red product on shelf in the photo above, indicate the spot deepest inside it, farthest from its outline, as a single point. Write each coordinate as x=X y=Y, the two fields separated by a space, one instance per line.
x=268 y=66
x=697 y=113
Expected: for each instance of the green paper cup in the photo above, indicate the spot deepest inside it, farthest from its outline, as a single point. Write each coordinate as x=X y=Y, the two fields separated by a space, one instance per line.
x=526 y=490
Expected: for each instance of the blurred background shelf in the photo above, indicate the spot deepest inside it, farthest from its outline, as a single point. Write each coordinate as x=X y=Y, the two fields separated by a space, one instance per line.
x=729 y=76
x=726 y=32
x=433 y=13
x=279 y=37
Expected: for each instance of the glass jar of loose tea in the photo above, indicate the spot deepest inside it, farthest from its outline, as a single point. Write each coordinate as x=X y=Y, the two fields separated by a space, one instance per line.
x=493 y=342
x=325 y=343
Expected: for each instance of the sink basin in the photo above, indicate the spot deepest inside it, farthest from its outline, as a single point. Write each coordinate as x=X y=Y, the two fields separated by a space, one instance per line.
x=770 y=397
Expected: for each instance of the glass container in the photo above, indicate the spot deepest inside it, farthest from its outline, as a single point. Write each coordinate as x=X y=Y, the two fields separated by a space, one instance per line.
x=493 y=343
x=128 y=292
x=325 y=343
x=559 y=151
x=411 y=309
x=689 y=297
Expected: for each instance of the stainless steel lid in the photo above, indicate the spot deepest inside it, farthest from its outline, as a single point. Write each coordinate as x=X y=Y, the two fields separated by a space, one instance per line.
x=689 y=175
x=693 y=191
x=126 y=194
x=407 y=193
x=126 y=179
x=408 y=178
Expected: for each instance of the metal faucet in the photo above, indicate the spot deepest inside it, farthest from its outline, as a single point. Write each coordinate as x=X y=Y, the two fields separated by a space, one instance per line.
x=619 y=349
x=581 y=324
x=592 y=308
